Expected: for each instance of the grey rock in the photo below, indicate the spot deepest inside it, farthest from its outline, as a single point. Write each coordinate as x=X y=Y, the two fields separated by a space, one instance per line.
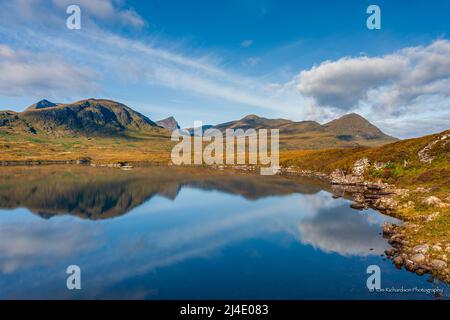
x=418 y=258
x=398 y=261
x=438 y=264
x=410 y=265
x=360 y=167
x=423 y=248
x=357 y=205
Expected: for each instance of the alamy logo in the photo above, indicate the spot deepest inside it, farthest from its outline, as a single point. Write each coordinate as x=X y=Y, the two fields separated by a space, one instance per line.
x=374 y=20
x=192 y=150
x=74 y=279
x=73 y=22
x=374 y=280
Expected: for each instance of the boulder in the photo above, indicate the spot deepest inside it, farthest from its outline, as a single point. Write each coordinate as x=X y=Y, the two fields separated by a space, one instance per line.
x=410 y=265
x=388 y=229
x=390 y=252
x=418 y=258
x=421 y=271
x=434 y=201
x=357 y=206
x=423 y=248
x=438 y=264
x=398 y=261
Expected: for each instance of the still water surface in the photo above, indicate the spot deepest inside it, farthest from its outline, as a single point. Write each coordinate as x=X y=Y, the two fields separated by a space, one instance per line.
x=171 y=233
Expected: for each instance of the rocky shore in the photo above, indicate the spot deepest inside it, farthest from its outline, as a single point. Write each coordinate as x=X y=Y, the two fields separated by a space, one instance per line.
x=421 y=258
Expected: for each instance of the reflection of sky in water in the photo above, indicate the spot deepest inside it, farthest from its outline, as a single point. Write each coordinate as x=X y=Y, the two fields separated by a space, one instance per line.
x=204 y=244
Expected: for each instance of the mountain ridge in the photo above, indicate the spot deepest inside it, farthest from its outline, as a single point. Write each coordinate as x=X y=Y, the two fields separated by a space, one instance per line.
x=347 y=129
x=92 y=117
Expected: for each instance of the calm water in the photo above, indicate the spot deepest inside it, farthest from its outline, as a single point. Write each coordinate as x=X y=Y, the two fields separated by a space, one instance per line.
x=161 y=233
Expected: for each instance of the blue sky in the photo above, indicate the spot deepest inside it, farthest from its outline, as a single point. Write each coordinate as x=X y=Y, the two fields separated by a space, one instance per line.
x=215 y=61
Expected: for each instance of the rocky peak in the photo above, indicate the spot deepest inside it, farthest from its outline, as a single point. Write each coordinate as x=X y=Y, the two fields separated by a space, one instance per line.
x=169 y=123
x=42 y=105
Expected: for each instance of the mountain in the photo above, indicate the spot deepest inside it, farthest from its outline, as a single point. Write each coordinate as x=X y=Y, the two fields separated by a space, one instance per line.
x=191 y=131
x=41 y=105
x=169 y=123
x=91 y=116
x=253 y=122
x=95 y=117
x=353 y=126
x=347 y=131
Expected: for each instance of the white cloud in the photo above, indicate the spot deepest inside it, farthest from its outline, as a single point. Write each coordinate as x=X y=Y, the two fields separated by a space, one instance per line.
x=135 y=62
x=343 y=231
x=27 y=73
x=35 y=244
x=391 y=82
x=343 y=83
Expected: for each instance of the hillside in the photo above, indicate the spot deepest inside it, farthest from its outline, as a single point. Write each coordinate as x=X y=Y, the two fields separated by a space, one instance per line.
x=350 y=130
x=85 y=117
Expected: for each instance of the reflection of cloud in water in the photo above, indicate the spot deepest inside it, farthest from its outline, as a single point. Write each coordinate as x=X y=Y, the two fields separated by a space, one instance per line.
x=344 y=231
x=203 y=234
x=168 y=233
x=33 y=244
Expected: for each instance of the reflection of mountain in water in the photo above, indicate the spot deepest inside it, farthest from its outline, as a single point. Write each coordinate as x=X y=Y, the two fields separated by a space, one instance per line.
x=100 y=193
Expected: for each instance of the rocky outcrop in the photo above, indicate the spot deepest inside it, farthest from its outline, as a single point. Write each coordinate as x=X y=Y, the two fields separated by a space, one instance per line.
x=356 y=176
x=425 y=153
x=360 y=167
x=434 y=201
x=420 y=259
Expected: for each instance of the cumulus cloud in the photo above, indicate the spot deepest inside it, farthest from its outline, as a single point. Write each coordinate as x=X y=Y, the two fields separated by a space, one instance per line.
x=28 y=245
x=389 y=82
x=343 y=231
x=343 y=83
x=27 y=73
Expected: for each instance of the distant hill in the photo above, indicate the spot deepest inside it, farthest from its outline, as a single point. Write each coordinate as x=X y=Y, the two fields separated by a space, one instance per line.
x=92 y=116
x=353 y=126
x=191 y=131
x=347 y=131
x=169 y=123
